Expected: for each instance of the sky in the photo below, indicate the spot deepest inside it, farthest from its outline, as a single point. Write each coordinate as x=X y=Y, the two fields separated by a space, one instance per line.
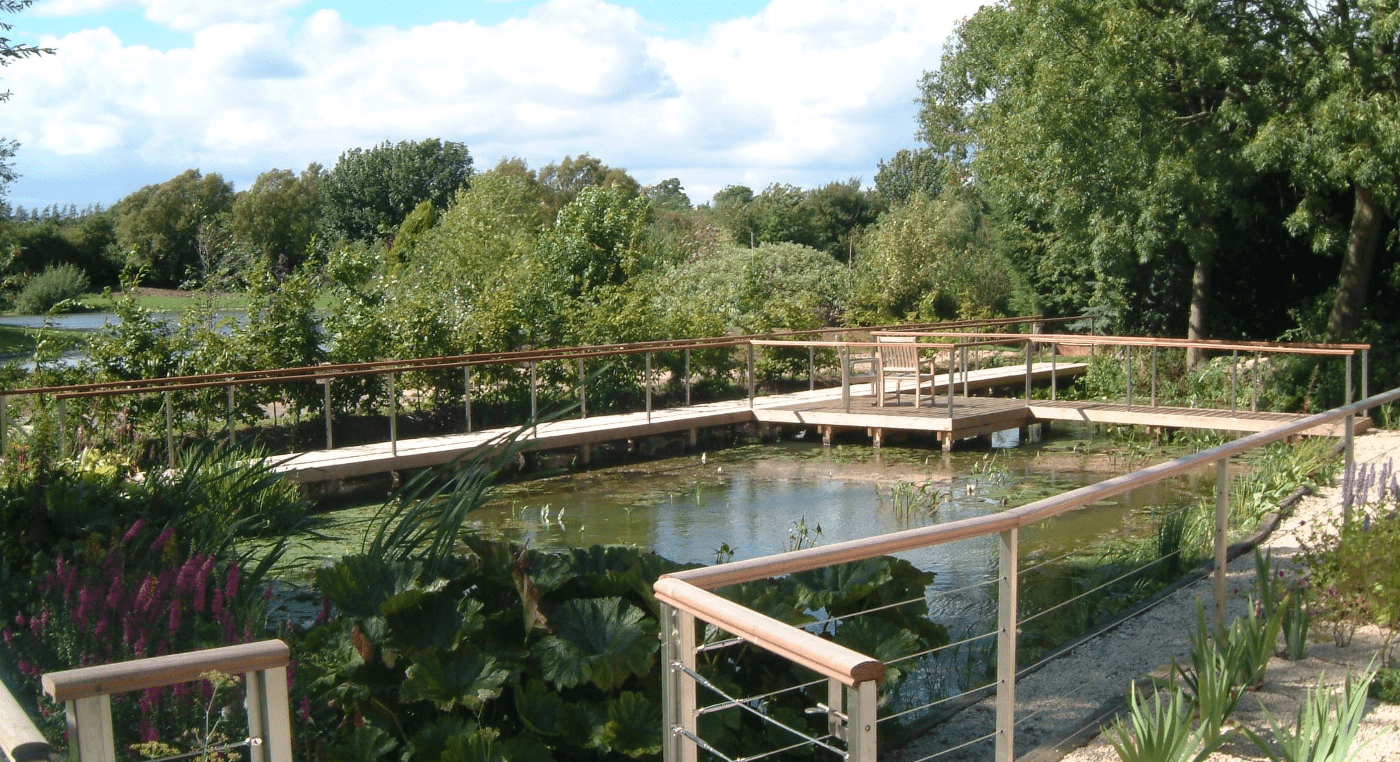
x=714 y=93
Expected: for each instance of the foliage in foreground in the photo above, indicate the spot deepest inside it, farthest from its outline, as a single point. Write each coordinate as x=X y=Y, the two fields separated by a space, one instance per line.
x=438 y=644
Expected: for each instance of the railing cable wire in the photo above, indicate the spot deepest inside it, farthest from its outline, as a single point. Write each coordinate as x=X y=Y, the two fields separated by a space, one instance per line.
x=700 y=680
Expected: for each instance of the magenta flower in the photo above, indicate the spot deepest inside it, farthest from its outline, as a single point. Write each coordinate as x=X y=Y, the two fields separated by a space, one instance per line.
x=134 y=530
x=164 y=538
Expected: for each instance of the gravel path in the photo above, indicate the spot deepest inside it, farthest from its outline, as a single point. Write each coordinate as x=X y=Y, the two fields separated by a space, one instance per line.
x=1061 y=706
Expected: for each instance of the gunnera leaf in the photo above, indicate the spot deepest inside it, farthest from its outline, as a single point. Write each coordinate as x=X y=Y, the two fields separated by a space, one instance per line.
x=879 y=640
x=431 y=740
x=584 y=724
x=480 y=746
x=366 y=744
x=634 y=725
x=460 y=678
x=837 y=588
x=359 y=585
x=538 y=706
x=426 y=617
x=603 y=641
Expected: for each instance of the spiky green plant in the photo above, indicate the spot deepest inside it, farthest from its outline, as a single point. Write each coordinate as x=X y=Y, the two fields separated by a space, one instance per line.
x=1325 y=730
x=1160 y=731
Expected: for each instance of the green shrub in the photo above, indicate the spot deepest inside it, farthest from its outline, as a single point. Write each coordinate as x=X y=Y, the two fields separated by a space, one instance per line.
x=56 y=288
x=1386 y=686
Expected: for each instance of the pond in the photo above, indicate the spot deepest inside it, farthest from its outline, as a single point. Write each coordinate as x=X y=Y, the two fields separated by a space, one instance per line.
x=758 y=500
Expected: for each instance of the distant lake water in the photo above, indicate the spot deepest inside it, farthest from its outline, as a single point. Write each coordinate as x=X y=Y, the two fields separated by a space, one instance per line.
x=92 y=321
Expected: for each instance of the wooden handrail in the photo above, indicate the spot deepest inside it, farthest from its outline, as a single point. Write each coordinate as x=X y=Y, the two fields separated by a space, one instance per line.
x=121 y=677
x=1136 y=341
x=447 y=362
x=19 y=739
x=798 y=646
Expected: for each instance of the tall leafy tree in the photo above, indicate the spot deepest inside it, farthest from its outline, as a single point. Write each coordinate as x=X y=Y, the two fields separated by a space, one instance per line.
x=909 y=173
x=1336 y=132
x=370 y=192
x=1110 y=130
x=563 y=181
x=276 y=218
x=158 y=226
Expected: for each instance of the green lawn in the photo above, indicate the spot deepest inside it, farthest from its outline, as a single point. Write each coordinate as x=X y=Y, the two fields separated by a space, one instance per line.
x=20 y=341
x=165 y=301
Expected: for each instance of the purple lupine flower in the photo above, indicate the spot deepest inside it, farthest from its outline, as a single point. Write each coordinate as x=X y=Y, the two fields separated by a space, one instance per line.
x=19 y=620
x=115 y=592
x=231 y=583
x=164 y=538
x=84 y=610
x=134 y=530
x=201 y=582
x=174 y=622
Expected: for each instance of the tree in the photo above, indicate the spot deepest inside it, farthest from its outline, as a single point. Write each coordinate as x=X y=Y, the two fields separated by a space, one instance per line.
x=1336 y=131
x=564 y=181
x=370 y=192
x=1110 y=130
x=597 y=239
x=276 y=218
x=10 y=52
x=668 y=194
x=909 y=173
x=158 y=226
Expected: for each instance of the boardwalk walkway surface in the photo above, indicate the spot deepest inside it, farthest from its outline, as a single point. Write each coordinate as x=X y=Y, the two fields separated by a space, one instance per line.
x=826 y=409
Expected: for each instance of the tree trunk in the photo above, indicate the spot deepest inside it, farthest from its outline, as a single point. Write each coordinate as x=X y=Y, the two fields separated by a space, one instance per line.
x=1200 y=307
x=1355 y=280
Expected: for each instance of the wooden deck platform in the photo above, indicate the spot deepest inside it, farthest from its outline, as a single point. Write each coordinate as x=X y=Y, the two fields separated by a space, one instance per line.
x=822 y=408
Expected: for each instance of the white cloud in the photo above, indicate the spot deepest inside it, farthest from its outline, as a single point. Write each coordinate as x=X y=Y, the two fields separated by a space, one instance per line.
x=807 y=91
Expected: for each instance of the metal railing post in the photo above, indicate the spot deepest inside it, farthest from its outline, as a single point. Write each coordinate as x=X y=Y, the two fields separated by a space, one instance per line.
x=1128 y=350
x=861 y=705
x=230 y=416
x=1028 y=371
x=1008 y=589
x=467 y=394
x=169 y=432
x=63 y=427
x=952 y=355
x=393 y=417
x=1154 y=376
x=1054 y=378
x=678 y=689
x=646 y=381
x=1365 y=373
x=4 y=421
x=330 y=435
x=964 y=372
x=1222 y=521
x=687 y=378
x=811 y=368
x=90 y=729
x=582 y=391
x=269 y=715
x=751 y=378
x=1234 y=380
x=534 y=394
x=1254 y=391
x=1349 y=381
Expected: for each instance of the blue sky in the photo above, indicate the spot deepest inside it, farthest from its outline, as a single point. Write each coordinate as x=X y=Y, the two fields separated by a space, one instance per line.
x=714 y=93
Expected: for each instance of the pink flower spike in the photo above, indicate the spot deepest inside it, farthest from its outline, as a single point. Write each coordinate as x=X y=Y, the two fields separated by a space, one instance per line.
x=134 y=530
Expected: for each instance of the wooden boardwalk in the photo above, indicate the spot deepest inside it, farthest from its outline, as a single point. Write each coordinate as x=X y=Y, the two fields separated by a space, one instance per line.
x=821 y=408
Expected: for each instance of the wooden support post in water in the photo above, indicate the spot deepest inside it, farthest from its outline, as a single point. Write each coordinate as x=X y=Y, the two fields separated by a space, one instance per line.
x=169 y=432
x=1222 y=518
x=1008 y=592
x=393 y=418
